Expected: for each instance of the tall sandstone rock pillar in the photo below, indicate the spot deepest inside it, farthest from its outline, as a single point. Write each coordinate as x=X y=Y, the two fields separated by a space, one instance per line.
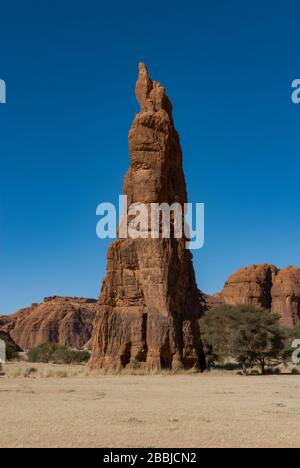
x=149 y=303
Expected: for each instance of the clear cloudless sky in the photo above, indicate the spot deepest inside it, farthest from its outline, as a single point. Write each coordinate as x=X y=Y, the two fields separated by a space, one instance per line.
x=70 y=68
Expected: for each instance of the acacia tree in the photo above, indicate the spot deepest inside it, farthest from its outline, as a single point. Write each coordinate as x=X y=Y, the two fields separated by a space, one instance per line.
x=217 y=334
x=259 y=338
x=247 y=333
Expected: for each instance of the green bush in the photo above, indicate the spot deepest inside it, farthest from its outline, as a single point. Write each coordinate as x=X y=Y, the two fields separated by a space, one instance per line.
x=57 y=354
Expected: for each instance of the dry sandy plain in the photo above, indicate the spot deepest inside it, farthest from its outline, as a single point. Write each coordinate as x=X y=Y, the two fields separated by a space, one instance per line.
x=185 y=410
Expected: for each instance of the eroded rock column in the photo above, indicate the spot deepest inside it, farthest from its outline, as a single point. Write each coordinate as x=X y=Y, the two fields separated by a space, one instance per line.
x=149 y=303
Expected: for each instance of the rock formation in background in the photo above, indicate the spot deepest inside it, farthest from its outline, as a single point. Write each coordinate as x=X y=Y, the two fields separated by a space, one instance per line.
x=251 y=285
x=64 y=320
x=286 y=295
x=265 y=286
x=149 y=303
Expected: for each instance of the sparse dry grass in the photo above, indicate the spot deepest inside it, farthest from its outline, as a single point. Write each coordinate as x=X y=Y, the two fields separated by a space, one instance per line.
x=25 y=369
x=17 y=370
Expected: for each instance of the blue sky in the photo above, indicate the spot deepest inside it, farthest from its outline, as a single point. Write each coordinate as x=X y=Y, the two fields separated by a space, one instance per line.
x=70 y=69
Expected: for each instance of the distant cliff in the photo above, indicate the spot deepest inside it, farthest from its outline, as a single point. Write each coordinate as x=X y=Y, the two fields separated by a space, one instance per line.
x=265 y=286
x=64 y=320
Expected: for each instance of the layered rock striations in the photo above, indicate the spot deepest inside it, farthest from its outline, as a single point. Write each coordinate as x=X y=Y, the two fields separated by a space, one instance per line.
x=265 y=286
x=251 y=285
x=64 y=320
x=286 y=295
x=149 y=303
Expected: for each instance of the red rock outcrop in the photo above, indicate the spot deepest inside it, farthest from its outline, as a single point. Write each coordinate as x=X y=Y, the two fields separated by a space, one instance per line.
x=250 y=285
x=212 y=301
x=286 y=295
x=149 y=302
x=265 y=286
x=64 y=320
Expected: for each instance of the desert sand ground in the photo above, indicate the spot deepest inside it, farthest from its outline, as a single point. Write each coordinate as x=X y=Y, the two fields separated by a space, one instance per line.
x=190 y=410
